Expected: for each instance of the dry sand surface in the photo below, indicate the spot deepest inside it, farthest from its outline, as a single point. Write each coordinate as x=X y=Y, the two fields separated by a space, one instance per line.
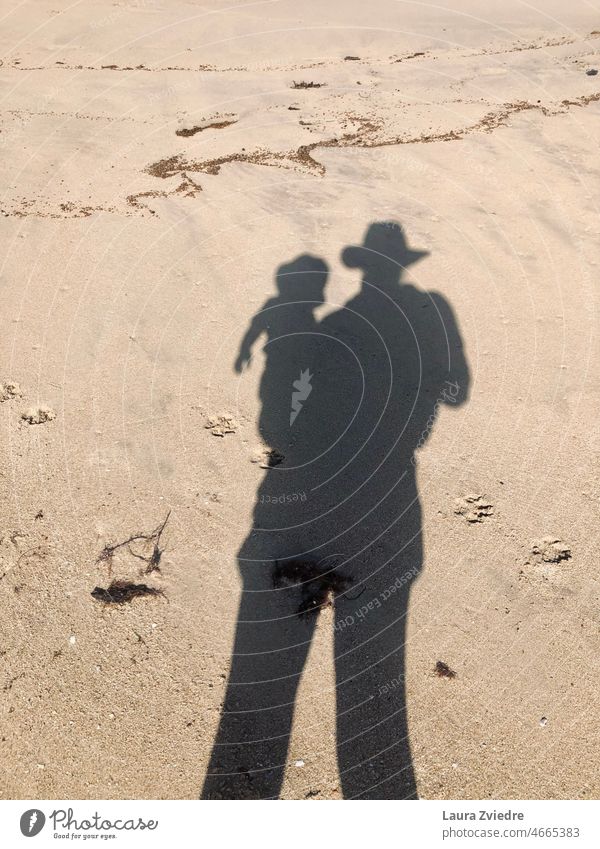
x=160 y=160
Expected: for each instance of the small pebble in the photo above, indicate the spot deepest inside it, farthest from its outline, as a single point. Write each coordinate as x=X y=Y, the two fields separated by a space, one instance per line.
x=591 y=72
x=298 y=763
x=543 y=722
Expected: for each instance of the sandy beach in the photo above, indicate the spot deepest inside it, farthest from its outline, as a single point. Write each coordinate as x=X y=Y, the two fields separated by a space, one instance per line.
x=178 y=415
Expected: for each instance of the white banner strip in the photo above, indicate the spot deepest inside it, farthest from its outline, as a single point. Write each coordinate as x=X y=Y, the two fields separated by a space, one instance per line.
x=283 y=825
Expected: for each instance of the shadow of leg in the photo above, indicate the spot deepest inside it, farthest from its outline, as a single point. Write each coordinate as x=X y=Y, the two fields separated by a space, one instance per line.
x=373 y=748
x=250 y=751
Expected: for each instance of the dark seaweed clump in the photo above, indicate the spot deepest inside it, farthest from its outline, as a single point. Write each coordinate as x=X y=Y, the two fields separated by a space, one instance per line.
x=320 y=584
x=120 y=592
x=442 y=670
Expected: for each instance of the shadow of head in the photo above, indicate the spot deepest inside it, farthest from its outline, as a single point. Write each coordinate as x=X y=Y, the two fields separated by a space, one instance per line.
x=384 y=253
x=302 y=279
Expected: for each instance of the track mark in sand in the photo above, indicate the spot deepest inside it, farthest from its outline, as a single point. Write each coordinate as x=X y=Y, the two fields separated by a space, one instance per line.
x=582 y=101
x=80 y=116
x=300 y=157
x=417 y=55
x=187 y=188
x=307 y=85
x=68 y=210
x=365 y=137
x=216 y=125
x=519 y=47
x=534 y=45
x=81 y=211
x=64 y=66
x=15 y=64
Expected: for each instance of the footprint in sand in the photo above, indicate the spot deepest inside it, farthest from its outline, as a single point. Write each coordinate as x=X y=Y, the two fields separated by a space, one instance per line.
x=475 y=508
x=9 y=390
x=220 y=425
x=38 y=415
x=267 y=458
x=550 y=550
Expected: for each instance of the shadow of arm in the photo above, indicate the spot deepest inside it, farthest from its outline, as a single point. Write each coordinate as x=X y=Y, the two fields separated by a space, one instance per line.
x=457 y=376
x=257 y=327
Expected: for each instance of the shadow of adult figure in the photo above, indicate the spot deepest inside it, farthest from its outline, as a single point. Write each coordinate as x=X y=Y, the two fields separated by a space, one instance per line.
x=347 y=401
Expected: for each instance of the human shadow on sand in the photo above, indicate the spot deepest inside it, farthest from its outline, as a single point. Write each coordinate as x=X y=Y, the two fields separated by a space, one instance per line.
x=347 y=401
